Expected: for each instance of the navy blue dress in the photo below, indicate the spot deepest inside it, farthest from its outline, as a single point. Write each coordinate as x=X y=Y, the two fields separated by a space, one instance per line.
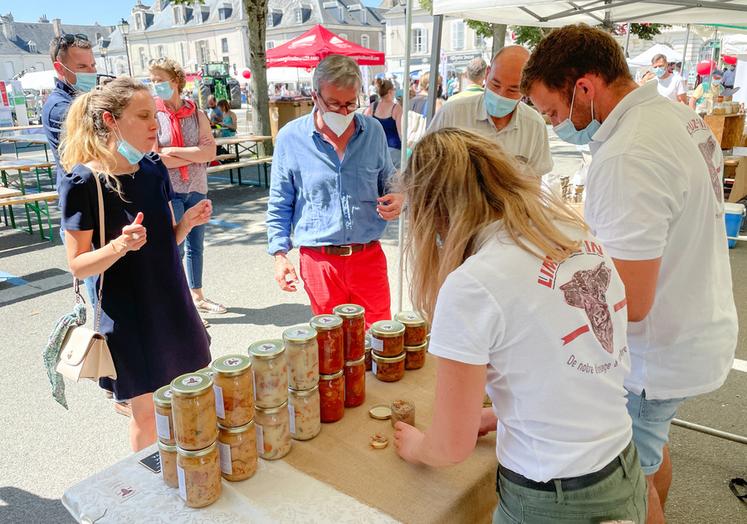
x=153 y=329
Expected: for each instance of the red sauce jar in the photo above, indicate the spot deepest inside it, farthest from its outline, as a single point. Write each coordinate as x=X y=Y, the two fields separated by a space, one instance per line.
x=329 y=343
x=388 y=338
x=415 y=358
x=355 y=382
x=353 y=330
x=416 y=329
x=332 y=397
x=389 y=369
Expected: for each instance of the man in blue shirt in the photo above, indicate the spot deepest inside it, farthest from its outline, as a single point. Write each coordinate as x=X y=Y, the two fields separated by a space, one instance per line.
x=331 y=176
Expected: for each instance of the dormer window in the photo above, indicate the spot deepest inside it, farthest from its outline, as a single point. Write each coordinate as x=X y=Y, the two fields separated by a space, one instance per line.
x=225 y=11
x=139 y=22
x=32 y=47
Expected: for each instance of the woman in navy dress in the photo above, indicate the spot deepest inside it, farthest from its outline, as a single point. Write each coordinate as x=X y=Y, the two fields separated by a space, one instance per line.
x=152 y=327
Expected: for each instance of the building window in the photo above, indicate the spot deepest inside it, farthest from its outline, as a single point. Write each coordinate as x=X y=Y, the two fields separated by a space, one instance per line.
x=344 y=36
x=183 y=52
x=457 y=35
x=224 y=13
x=202 y=51
x=269 y=44
x=143 y=58
x=32 y=46
x=178 y=14
x=139 y=22
x=161 y=51
x=224 y=45
x=365 y=41
x=418 y=39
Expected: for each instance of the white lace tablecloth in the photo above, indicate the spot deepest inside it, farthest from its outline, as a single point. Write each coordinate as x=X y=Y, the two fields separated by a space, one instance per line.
x=128 y=492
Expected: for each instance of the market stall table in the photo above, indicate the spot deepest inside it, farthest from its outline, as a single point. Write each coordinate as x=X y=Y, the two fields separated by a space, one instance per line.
x=12 y=177
x=335 y=477
x=27 y=140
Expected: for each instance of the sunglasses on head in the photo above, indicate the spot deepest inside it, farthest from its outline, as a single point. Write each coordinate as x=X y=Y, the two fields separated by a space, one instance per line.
x=69 y=39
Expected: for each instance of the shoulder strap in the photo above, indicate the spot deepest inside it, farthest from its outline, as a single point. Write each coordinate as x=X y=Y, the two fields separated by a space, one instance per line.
x=102 y=243
x=375 y=105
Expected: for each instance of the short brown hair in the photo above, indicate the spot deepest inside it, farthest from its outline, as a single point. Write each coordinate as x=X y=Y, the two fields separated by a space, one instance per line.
x=60 y=44
x=384 y=87
x=568 y=53
x=172 y=69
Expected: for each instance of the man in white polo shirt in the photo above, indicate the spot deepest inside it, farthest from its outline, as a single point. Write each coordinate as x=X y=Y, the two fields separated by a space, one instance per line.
x=660 y=217
x=499 y=114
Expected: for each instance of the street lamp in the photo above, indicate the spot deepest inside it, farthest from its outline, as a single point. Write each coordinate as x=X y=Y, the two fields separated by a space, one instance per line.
x=124 y=28
x=104 y=52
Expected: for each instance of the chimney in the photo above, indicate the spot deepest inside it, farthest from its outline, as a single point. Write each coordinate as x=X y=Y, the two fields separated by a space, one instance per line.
x=57 y=26
x=8 y=27
x=43 y=19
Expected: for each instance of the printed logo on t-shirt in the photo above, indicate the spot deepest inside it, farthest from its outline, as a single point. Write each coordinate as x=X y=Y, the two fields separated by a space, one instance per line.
x=587 y=290
x=710 y=151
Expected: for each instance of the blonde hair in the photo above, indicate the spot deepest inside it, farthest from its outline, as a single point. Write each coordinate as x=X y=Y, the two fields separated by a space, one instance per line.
x=86 y=136
x=173 y=70
x=457 y=184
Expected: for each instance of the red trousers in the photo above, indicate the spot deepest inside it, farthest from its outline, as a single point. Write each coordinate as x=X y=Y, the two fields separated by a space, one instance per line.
x=361 y=278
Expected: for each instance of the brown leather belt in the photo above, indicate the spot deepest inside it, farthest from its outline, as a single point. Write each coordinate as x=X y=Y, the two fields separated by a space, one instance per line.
x=344 y=250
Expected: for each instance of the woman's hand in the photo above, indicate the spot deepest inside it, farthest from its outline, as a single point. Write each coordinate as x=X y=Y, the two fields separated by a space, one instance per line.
x=133 y=237
x=198 y=214
x=407 y=440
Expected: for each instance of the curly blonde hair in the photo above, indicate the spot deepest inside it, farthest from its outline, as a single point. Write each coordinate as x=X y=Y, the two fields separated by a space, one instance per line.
x=172 y=69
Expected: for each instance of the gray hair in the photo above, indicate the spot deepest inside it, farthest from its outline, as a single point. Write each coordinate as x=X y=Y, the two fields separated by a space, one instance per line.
x=476 y=69
x=658 y=57
x=338 y=70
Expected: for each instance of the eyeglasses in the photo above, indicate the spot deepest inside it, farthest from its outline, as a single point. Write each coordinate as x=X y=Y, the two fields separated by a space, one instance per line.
x=67 y=40
x=351 y=107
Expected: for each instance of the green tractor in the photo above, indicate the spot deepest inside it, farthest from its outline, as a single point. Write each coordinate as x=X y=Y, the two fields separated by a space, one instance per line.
x=216 y=80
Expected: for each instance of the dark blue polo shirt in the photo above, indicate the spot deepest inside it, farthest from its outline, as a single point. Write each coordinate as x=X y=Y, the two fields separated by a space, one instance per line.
x=53 y=117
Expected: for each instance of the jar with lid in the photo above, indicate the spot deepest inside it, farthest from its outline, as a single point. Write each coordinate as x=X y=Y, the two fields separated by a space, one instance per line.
x=164 y=420
x=329 y=343
x=273 y=431
x=388 y=369
x=193 y=411
x=415 y=327
x=233 y=383
x=303 y=357
x=207 y=371
x=415 y=358
x=355 y=382
x=270 y=365
x=368 y=351
x=332 y=396
x=388 y=338
x=303 y=410
x=167 y=455
x=353 y=330
x=403 y=410
x=199 y=475
x=237 y=447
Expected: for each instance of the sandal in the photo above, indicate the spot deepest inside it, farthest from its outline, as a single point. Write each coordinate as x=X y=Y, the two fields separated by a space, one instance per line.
x=208 y=306
x=205 y=323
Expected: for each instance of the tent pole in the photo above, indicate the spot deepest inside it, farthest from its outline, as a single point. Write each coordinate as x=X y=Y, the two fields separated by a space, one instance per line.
x=627 y=41
x=438 y=25
x=684 y=53
x=403 y=153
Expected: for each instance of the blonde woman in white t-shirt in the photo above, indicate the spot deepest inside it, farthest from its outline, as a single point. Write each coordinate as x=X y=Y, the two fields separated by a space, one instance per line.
x=525 y=304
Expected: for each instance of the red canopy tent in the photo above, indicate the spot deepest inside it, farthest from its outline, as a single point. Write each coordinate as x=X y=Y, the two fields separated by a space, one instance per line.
x=314 y=45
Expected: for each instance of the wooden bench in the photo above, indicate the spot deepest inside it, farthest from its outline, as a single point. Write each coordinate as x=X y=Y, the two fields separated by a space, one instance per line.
x=36 y=202
x=248 y=162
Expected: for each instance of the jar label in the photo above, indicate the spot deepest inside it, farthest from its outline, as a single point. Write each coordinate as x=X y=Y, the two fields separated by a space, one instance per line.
x=220 y=410
x=349 y=309
x=232 y=362
x=167 y=393
x=192 y=380
x=260 y=439
x=374 y=367
x=301 y=333
x=182 y=483
x=162 y=427
x=377 y=343
x=411 y=317
x=266 y=347
x=292 y=417
x=226 y=465
x=386 y=327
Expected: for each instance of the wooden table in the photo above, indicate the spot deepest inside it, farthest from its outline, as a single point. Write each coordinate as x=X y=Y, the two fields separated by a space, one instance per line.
x=27 y=140
x=243 y=144
x=20 y=128
x=21 y=165
x=727 y=129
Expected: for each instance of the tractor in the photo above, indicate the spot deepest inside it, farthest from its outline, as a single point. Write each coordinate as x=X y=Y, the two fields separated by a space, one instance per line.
x=216 y=80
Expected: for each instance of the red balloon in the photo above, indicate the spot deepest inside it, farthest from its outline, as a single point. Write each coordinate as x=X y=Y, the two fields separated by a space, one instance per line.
x=308 y=70
x=246 y=74
x=705 y=67
x=731 y=60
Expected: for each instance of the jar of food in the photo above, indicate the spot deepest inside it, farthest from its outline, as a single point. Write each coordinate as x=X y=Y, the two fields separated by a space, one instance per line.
x=233 y=384
x=238 y=451
x=353 y=330
x=329 y=343
x=270 y=365
x=164 y=421
x=415 y=358
x=273 y=431
x=355 y=382
x=388 y=369
x=332 y=396
x=167 y=455
x=388 y=338
x=303 y=357
x=415 y=327
x=368 y=351
x=199 y=475
x=207 y=371
x=303 y=410
x=193 y=411
x=403 y=410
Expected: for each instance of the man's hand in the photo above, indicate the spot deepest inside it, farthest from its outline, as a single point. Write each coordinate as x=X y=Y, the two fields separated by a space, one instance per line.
x=390 y=206
x=488 y=422
x=198 y=214
x=285 y=273
x=407 y=440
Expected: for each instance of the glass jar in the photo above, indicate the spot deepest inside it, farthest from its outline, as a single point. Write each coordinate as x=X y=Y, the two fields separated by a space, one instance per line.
x=233 y=383
x=388 y=338
x=303 y=357
x=199 y=475
x=355 y=382
x=238 y=451
x=193 y=411
x=164 y=420
x=353 y=330
x=303 y=410
x=329 y=343
x=332 y=396
x=207 y=371
x=415 y=358
x=167 y=455
x=270 y=365
x=273 y=431
x=403 y=410
x=388 y=369
x=416 y=329
x=368 y=351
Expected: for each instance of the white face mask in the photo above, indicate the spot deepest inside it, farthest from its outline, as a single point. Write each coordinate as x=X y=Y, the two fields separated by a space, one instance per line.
x=336 y=122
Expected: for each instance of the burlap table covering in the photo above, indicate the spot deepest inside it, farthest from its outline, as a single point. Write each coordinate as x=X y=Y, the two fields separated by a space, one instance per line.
x=341 y=456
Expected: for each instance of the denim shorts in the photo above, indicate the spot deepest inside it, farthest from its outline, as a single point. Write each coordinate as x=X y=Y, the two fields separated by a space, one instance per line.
x=651 y=421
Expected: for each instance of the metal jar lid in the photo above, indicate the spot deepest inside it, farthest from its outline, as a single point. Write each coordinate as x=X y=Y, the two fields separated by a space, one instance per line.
x=301 y=393
x=325 y=322
x=349 y=311
x=166 y=447
x=419 y=347
x=231 y=365
x=191 y=384
x=333 y=376
x=162 y=397
x=410 y=318
x=265 y=349
x=358 y=362
x=238 y=429
x=387 y=329
x=272 y=411
x=197 y=453
x=210 y=372
x=389 y=360
x=299 y=334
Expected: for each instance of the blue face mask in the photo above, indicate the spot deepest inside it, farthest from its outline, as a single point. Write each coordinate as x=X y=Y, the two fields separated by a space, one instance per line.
x=163 y=90
x=497 y=105
x=568 y=132
x=84 y=82
x=659 y=71
x=127 y=150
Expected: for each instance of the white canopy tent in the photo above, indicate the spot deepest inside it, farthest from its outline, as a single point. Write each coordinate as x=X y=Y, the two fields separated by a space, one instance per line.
x=644 y=59
x=39 y=80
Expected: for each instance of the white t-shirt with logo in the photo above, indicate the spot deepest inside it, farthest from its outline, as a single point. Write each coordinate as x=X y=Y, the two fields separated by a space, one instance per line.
x=654 y=190
x=553 y=339
x=671 y=87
